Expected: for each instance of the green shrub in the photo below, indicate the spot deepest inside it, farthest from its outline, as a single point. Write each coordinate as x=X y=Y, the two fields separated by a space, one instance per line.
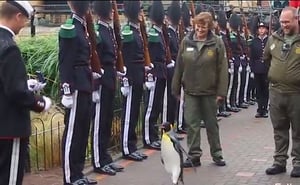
x=41 y=54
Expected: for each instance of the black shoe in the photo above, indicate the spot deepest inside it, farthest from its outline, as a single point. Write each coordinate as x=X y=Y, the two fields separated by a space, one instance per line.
x=258 y=115
x=219 y=161
x=295 y=172
x=80 y=182
x=181 y=131
x=265 y=115
x=251 y=102
x=233 y=109
x=154 y=145
x=116 y=167
x=223 y=114
x=191 y=163
x=90 y=181
x=179 y=137
x=275 y=169
x=107 y=170
x=133 y=157
x=243 y=106
x=144 y=156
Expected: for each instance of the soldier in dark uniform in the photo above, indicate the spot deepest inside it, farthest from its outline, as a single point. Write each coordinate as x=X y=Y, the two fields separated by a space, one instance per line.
x=133 y=55
x=186 y=17
x=173 y=15
x=260 y=70
x=103 y=116
x=236 y=97
x=225 y=35
x=16 y=94
x=155 y=95
x=76 y=78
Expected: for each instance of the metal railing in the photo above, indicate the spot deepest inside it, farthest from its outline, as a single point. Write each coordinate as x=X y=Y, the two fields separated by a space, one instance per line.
x=44 y=151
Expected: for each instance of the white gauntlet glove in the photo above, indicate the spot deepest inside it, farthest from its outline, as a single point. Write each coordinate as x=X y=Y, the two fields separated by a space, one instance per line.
x=252 y=75
x=150 y=85
x=97 y=75
x=121 y=74
x=48 y=103
x=248 y=68
x=125 y=91
x=96 y=96
x=148 y=68
x=34 y=85
x=171 y=64
x=240 y=69
x=67 y=101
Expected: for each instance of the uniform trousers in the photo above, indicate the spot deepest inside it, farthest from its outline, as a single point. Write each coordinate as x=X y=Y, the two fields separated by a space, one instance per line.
x=75 y=136
x=12 y=160
x=101 y=127
x=284 y=113
x=262 y=92
x=153 y=107
x=130 y=117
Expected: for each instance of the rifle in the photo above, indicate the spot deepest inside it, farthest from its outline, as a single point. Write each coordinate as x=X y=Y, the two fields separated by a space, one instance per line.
x=145 y=42
x=192 y=8
x=95 y=60
x=271 y=18
x=246 y=33
x=117 y=31
x=181 y=30
x=167 y=44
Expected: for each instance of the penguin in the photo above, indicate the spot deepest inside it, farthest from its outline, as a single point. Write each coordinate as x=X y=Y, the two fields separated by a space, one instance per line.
x=172 y=153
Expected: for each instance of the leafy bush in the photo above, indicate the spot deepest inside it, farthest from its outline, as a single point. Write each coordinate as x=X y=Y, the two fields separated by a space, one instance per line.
x=41 y=54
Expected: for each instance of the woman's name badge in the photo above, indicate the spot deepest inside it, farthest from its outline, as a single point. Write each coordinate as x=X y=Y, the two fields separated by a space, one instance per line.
x=189 y=49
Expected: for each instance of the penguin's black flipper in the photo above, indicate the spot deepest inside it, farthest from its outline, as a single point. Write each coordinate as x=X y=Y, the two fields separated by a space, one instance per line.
x=180 y=149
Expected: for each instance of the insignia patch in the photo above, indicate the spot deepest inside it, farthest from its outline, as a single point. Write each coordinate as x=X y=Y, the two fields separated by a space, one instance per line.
x=189 y=49
x=272 y=46
x=297 y=51
x=210 y=53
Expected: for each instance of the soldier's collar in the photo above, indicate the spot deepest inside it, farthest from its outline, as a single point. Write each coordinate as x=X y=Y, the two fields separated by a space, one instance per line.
x=78 y=18
x=172 y=28
x=136 y=26
x=106 y=24
x=157 y=28
x=8 y=29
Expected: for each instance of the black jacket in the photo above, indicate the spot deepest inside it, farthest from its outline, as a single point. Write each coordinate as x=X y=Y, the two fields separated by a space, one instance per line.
x=107 y=51
x=133 y=55
x=16 y=100
x=157 y=51
x=74 y=59
x=256 y=58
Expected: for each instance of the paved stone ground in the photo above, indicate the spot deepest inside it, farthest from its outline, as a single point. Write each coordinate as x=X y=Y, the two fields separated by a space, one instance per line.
x=247 y=145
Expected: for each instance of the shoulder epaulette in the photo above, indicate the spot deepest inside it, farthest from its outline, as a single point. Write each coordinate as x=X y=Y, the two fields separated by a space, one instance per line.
x=153 y=35
x=127 y=34
x=98 y=36
x=67 y=30
x=233 y=37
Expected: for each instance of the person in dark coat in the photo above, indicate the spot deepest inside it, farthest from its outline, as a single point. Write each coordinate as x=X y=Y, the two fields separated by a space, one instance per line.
x=134 y=60
x=17 y=95
x=260 y=70
x=155 y=94
x=103 y=107
x=76 y=79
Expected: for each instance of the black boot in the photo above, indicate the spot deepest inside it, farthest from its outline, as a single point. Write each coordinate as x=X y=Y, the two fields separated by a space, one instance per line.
x=275 y=169
x=295 y=172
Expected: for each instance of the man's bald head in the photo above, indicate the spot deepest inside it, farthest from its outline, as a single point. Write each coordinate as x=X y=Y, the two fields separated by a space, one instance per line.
x=289 y=21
